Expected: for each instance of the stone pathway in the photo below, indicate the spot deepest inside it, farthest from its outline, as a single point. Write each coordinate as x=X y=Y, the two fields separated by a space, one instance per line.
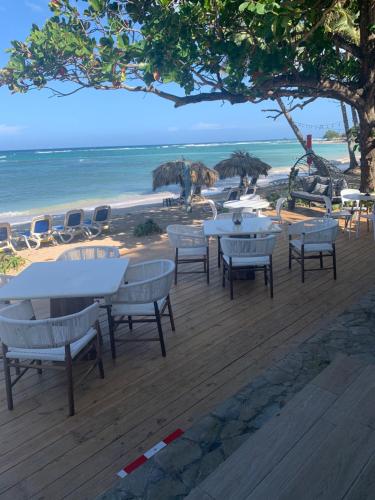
x=177 y=469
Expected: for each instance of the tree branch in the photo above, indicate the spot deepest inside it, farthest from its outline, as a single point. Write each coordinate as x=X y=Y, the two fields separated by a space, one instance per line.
x=348 y=46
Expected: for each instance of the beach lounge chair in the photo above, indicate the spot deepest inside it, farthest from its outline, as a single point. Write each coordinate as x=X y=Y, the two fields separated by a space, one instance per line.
x=40 y=232
x=6 y=240
x=53 y=343
x=144 y=295
x=73 y=226
x=99 y=222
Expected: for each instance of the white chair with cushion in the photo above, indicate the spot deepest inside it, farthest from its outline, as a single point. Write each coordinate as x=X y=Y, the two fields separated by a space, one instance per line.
x=90 y=252
x=313 y=239
x=145 y=295
x=248 y=253
x=338 y=214
x=191 y=246
x=52 y=343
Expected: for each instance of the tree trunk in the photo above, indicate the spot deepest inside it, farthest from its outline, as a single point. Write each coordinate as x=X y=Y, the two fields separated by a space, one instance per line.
x=349 y=139
x=294 y=127
x=367 y=146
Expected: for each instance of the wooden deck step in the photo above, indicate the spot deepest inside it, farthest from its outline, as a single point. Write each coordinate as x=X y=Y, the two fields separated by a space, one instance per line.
x=320 y=446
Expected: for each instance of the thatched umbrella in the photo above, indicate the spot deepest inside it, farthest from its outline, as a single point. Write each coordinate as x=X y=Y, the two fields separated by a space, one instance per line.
x=174 y=172
x=243 y=164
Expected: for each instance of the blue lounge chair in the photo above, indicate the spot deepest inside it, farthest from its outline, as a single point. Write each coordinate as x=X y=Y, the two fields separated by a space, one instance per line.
x=6 y=240
x=99 y=222
x=73 y=226
x=40 y=232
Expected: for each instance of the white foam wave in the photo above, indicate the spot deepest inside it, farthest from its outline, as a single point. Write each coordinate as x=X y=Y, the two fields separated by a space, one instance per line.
x=3 y=156
x=53 y=152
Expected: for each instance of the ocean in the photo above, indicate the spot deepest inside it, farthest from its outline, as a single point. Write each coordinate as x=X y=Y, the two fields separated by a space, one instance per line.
x=52 y=181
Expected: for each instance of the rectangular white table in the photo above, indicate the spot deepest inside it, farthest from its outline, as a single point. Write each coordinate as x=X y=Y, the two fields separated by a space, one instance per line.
x=249 y=226
x=70 y=285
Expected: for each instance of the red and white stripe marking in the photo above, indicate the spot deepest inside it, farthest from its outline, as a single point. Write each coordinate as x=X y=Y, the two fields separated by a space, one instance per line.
x=150 y=453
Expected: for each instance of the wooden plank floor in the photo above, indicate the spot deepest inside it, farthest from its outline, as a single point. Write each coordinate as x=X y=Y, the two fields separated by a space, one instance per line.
x=320 y=446
x=219 y=345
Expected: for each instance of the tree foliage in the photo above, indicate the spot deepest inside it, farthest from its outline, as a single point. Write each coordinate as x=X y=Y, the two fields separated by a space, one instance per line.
x=230 y=50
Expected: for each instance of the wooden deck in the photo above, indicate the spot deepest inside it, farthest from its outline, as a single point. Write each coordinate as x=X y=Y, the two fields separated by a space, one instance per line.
x=219 y=345
x=320 y=446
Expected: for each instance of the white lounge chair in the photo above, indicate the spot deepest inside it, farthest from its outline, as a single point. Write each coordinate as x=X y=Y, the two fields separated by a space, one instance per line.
x=191 y=246
x=40 y=232
x=47 y=343
x=89 y=253
x=100 y=221
x=73 y=226
x=313 y=239
x=6 y=239
x=248 y=254
x=145 y=295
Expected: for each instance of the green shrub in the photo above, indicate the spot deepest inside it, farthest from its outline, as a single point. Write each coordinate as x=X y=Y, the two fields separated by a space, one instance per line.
x=10 y=262
x=147 y=228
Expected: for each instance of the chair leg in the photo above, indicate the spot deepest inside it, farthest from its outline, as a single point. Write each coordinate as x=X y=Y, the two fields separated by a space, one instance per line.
x=175 y=267
x=334 y=261
x=321 y=260
x=303 y=264
x=208 y=265
x=130 y=323
x=271 y=277
x=223 y=281
x=111 y=332
x=98 y=345
x=69 y=376
x=170 y=312
x=39 y=371
x=231 y=281
x=218 y=252
x=160 y=330
x=290 y=256
x=8 y=380
x=265 y=276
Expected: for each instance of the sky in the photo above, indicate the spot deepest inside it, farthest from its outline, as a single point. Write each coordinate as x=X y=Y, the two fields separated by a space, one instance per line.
x=116 y=118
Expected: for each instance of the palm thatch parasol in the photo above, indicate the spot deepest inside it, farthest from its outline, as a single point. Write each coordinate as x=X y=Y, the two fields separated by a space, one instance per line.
x=173 y=172
x=243 y=164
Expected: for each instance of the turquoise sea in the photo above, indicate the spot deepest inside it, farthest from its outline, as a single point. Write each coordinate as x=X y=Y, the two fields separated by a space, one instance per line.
x=50 y=181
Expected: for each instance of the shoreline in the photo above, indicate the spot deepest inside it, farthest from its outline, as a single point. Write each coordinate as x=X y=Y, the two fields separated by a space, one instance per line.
x=139 y=202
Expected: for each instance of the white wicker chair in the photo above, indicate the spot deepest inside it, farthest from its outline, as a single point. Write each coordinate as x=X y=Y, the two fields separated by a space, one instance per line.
x=347 y=215
x=279 y=205
x=90 y=253
x=213 y=208
x=27 y=343
x=313 y=239
x=248 y=253
x=145 y=295
x=190 y=246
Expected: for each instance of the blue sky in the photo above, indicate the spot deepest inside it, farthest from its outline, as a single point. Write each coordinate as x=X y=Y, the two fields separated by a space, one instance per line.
x=98 y=118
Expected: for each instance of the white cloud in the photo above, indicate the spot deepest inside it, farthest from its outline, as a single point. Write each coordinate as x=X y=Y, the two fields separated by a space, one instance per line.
x=33 y=6
x=207 y=126
x=9 y=129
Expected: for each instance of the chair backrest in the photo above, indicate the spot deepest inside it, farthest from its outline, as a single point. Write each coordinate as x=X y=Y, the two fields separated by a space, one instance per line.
x=5 y=232
x=279 y=205
x=73 y=218
x=315 y=230
x=213 y=208
x=248 y=247
x=345 y=199
x=146 y=282
x=45 y=333
x=90 y=253
x=250 y=190
x=41 y=224
x=101 y=214
x=233 y=194
x=181 y=236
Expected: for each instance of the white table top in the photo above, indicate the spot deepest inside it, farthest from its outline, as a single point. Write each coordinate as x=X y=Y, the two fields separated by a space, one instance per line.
x=255 y=204
x=360 y=196
x=66 y=279
x=249 y=225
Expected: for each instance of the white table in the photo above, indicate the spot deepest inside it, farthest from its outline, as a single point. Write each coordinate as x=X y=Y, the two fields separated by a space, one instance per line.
x=249 y=226
x=361 y=197
x=251 y=204
x=70 y=285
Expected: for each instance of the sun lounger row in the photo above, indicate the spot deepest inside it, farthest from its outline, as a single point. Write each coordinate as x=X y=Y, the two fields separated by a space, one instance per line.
x=42 y=229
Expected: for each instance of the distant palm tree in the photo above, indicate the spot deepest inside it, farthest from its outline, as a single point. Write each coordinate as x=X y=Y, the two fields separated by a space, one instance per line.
x=244 y=165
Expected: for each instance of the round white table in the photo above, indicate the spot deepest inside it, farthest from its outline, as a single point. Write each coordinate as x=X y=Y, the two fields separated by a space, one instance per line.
x=361 y=197
x=255 y=205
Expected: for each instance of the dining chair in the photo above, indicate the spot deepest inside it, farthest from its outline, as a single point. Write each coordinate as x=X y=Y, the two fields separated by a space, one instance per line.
x=90 y=252
x=191 y=246
x=53 y=343
x=346 y=215
x=313 y=239
x=145 y=296
x=253 y=254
